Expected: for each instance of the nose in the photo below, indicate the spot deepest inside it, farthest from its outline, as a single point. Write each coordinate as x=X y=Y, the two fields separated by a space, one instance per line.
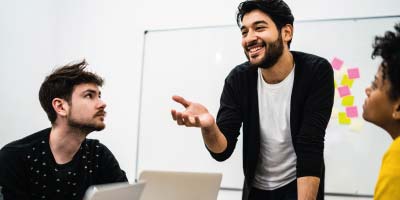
x=102 y=104
x=368 y=91
x=250 y=37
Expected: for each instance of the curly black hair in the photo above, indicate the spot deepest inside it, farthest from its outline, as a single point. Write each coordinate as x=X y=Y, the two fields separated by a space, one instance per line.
x=388 y=47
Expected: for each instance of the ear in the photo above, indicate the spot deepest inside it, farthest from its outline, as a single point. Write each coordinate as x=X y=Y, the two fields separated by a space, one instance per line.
x=287 y=32
x=396 y=110
x=60 y=106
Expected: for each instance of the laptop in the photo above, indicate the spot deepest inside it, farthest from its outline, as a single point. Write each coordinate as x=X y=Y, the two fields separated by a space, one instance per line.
x=116 y=191
x=180 y=185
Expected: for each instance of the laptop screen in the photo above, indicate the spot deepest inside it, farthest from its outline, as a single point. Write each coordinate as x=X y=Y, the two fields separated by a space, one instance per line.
x=180 y=185
x=117 y=191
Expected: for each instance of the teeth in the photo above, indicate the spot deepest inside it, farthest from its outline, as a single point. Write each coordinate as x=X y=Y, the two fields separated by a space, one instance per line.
x=255 y=49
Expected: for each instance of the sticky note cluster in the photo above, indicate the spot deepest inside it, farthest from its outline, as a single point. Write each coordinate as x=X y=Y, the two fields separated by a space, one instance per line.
x=343 y=86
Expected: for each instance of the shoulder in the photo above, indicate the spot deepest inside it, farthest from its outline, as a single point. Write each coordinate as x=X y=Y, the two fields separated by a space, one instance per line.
x=241 y=75
x=393 y=153
x=27 y=142
x=243 y=69
x=396 y=145
x=311 y=68
x=13 y=156
x=311 y=62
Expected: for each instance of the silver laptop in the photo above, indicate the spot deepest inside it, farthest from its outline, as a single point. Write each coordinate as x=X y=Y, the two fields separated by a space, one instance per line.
x=163 y=185
x=116 y=191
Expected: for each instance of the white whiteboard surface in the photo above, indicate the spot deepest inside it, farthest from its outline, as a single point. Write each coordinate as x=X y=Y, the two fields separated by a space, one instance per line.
x=194 y=62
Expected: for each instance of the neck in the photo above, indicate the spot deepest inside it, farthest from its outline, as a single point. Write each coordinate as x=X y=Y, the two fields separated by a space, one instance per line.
x=280 y=70
x=393 y=130
x=65 y=142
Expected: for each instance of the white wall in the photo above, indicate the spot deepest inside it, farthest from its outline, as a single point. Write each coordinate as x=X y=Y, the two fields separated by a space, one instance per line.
x=37 y=35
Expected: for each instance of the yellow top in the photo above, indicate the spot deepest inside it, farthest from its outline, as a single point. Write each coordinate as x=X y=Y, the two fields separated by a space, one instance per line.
x=388 y=185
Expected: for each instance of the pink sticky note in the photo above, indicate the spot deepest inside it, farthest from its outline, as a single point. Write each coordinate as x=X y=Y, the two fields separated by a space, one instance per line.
x=351 y=111
x=337 y=63
x=353 y=73
x=343 y=91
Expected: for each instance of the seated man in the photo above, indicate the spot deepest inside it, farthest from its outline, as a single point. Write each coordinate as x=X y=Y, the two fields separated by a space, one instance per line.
x=59 y=162
x=382 y=107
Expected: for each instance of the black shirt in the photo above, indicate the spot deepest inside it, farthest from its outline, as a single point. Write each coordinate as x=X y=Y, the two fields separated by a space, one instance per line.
x=28 y=169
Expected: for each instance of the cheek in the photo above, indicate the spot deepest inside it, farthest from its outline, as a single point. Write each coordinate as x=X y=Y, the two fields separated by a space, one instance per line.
x=243 y=43
x=78 y=109
x=369 y=104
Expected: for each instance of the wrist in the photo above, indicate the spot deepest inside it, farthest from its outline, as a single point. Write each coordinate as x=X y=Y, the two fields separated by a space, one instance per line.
x=208 y=130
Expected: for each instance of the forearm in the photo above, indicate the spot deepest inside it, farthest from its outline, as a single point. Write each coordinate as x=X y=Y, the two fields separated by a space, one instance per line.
x=307 y=187
x=214 y=139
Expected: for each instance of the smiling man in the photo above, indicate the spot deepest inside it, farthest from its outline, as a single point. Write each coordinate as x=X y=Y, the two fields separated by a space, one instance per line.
x=282 y=98
x=59 y=162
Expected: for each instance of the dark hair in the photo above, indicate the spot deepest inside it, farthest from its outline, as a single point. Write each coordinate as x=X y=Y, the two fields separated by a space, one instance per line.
x=278 y=10
x=61 y=83
x=388 y=47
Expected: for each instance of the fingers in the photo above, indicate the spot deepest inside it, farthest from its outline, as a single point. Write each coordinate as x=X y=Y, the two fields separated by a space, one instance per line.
x=173 y=113
x=184 y=119
x=188 y=121
x=179 y=118
x=197 y=121
x=181 y=100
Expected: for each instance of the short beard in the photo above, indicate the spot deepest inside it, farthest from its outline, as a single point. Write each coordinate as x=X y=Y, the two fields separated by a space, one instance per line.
x=273 y=51
x=84 y=128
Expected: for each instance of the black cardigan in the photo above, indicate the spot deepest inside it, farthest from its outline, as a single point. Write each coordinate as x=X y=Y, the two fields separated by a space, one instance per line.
x=310 y=110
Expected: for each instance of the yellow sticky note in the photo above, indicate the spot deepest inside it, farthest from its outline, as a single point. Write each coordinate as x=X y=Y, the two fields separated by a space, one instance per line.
x=348 y=100
x=347 y=81
x=334 y=82
x=343 y=119
x=356 y=125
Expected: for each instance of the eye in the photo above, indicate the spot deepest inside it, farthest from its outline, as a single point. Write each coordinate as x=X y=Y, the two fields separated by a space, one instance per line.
x=89 y=95
x=244 y=33
x=373 y=85
x=260 y=28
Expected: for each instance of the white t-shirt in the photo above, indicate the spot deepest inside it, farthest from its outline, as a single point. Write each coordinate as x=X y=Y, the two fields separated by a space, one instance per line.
x=277 y=159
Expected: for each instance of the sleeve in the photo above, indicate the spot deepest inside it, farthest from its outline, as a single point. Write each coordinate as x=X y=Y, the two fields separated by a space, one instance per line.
x=229 y=119
x=110 y=171
x=309 y=141
x=13 y=178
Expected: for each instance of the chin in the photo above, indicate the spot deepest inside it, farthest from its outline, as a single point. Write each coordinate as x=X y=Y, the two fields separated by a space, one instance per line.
x=365 y=117
x=100 y=127
x=255 y=63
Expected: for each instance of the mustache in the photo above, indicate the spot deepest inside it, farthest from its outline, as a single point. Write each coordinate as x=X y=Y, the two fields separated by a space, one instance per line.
x=101 y=113
x=253 y=43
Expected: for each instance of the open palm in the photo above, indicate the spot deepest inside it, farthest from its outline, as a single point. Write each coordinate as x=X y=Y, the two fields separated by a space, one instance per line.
x=194 y=115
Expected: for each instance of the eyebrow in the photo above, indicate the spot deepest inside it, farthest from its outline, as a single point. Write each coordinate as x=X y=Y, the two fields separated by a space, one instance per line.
x=91 y=91
x=255 y=23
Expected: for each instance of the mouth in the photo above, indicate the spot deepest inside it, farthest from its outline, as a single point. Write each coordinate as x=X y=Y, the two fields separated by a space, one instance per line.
x=255 y=50
x=100 y=114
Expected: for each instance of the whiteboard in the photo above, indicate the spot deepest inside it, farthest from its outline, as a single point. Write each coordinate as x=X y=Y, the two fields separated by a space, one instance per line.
x=194 y=62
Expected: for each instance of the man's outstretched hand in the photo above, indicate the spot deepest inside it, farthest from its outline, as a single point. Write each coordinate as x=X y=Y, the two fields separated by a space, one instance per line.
x=194 y=115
